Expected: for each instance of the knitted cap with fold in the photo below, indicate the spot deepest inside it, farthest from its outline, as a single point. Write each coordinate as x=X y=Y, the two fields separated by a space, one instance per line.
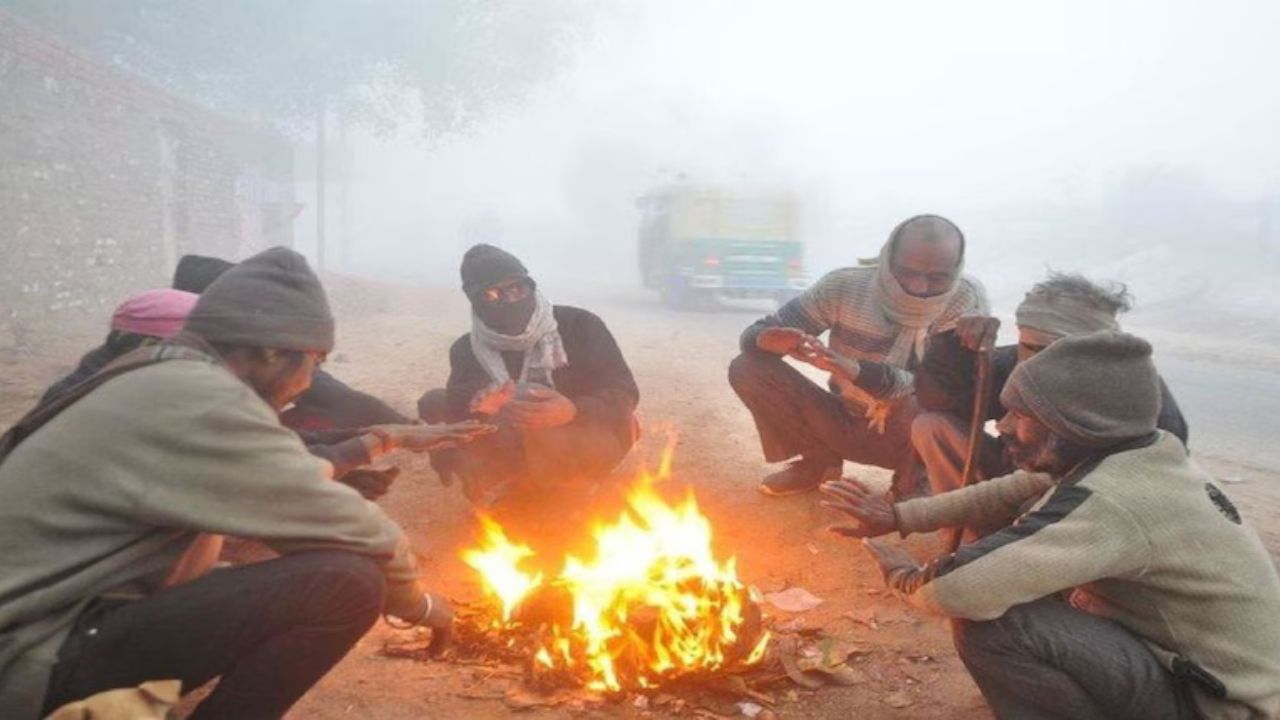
x=1095 y=390
x=486 y=265
x=271 y=300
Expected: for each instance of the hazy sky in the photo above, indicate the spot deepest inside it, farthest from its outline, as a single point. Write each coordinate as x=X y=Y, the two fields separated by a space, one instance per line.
x=870 y=111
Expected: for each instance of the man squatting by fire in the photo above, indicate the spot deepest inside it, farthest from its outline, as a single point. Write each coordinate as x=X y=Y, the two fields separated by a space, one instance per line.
x=879 y=316
x=550 y=376
x=115 y=497
x=1130 y=588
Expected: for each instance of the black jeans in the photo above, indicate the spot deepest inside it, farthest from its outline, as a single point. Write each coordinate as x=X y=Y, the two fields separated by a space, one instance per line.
x=270 y=631
x=529 y=460
x=1046 y=660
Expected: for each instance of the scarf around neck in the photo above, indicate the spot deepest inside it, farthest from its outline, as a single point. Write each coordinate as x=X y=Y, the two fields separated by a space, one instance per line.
x=913 y=314
x=540 y=342
x=913 y=317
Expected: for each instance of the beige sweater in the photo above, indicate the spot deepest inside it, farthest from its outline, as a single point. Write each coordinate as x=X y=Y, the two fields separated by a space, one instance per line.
x=110 y=494
x=1145 y=538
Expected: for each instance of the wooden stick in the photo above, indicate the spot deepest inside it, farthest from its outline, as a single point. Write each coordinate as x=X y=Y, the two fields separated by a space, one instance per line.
x=977 y=420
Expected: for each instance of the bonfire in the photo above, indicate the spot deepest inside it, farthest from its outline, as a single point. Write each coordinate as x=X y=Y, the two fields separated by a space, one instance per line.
x=648 y=604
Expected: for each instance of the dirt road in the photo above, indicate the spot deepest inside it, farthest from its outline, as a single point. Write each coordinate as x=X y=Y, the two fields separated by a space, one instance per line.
x=394 y=344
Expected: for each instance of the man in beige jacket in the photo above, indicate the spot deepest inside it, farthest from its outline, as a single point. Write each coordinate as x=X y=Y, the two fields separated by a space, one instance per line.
x=114 y=498
x=1173 y=598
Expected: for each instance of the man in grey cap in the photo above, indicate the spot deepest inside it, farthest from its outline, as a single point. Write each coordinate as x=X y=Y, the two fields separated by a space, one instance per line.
x=114 y=500
x=1173 y=599
x=1060 y=306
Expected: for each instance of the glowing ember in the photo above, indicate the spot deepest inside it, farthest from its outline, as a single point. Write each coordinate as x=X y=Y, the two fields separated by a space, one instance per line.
x=653 y=604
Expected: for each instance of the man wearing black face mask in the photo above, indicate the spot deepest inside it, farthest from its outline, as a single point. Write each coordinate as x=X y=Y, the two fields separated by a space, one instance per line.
x=552 y=377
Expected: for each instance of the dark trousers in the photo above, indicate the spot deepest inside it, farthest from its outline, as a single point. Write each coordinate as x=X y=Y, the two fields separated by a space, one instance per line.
x=795 y=416
x=1047 y=660
x=270 y=631
x=526 y=459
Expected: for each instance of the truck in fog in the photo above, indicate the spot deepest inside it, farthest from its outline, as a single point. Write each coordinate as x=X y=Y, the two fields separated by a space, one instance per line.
x=700 y=244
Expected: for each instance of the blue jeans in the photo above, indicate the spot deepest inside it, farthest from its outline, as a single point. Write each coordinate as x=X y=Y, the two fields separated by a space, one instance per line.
x=269 y=630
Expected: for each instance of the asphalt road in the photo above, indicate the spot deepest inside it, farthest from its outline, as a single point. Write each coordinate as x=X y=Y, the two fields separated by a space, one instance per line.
x=1233 y=412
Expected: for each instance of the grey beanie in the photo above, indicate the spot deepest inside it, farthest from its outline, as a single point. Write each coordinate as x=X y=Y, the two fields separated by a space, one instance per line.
x=271 y=300
x=1095 y=390
x=485 y=265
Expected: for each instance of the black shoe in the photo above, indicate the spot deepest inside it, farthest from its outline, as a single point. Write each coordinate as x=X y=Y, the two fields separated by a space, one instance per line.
x=800 y=476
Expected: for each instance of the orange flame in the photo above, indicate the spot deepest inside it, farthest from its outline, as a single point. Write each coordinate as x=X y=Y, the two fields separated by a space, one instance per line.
x=652 y=604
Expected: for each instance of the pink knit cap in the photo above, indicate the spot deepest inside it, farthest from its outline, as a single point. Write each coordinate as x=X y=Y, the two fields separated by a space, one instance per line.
x=155 y=313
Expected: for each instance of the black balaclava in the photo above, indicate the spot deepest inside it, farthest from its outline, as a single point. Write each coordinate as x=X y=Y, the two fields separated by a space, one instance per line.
x=484 y=266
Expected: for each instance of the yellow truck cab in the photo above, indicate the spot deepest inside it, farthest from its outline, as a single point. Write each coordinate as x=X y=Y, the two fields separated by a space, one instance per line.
x=699 y=244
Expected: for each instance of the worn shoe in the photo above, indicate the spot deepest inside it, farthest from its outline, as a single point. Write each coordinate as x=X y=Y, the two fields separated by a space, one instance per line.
x=800 y=476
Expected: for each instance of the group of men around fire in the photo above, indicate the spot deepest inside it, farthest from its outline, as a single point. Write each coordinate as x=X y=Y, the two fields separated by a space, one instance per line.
x=1098 y=571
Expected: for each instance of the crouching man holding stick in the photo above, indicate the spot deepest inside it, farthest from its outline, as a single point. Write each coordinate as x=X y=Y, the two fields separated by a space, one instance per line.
x=1173 y=597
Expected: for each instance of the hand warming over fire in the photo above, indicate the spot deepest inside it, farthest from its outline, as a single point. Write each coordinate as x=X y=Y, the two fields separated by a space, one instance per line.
x=780 y=340
x=812 y=351
x=542 y=408
x=419 y=438
x=874 y=514
x=493 y=398
x=895 y=563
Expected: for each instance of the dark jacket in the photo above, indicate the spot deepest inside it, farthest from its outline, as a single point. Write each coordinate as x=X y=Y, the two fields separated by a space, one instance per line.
x=945 y=383
x=117 y=344
x=331 y=403
x=596 y=379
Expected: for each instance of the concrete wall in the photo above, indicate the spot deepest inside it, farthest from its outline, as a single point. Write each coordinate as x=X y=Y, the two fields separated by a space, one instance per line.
x=106 y=179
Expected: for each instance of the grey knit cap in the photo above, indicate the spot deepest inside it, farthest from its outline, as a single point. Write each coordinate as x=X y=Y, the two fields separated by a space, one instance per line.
x=484 y=265
x=271 y=300
x=1095 y=390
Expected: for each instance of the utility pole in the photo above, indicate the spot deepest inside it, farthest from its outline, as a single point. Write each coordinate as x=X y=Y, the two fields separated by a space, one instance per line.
x=320 y=180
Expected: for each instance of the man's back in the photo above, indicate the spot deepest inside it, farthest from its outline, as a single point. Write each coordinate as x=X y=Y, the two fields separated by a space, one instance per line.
x=107 y=495
x=1208 y=589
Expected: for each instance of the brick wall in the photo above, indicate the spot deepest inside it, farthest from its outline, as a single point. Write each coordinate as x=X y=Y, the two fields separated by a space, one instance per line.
x=105 y=180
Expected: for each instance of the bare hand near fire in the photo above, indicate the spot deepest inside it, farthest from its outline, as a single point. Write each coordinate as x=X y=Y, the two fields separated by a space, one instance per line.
x=780 y=340
x=813 y=352
x=873 y=513
x=492 y=399
x=978 y=332
x=420 y=438
x=892 y=559
x=543 y=408
x=431 y=611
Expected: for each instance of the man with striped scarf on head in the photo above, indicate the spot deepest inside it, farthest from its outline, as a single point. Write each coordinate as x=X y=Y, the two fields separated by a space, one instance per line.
x=879 y=316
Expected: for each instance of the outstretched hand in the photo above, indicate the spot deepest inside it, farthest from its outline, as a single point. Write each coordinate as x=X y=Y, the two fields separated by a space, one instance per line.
x=812 y=351
x=891 y=559
x=872 y=513
x=490 y=400
x=780 y=340
x=422 y=438
x=371 y=483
